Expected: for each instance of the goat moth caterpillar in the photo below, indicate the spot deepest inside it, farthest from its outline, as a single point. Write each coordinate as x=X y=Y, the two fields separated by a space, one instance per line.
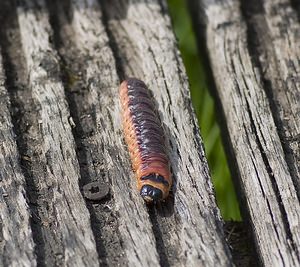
x=145 y=139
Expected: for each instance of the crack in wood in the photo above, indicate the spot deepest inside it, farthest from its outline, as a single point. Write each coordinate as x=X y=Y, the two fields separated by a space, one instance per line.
x=82 y=134
x=10 y=43
x=257 y=50
x=246 y=103
x=289 y=235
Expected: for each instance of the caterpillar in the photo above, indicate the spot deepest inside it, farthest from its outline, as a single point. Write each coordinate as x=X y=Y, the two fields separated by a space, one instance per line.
x=145 y=139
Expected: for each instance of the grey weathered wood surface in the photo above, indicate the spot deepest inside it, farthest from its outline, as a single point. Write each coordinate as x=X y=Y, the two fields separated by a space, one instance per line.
x=61 y=224
x=63 y=62
x=278 y=53
x=254 y=57
x=16 y=243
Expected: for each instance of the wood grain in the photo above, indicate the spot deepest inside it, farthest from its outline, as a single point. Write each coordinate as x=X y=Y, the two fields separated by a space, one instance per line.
x=93 y=94
x=190 y=228
x=277 y=32
x=264 y=174
x=61 y=224
x=16 y=243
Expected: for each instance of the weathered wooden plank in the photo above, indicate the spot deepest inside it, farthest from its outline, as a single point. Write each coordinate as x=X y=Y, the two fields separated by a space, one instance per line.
x=16 y=243
x=188 y=229
x=277 y=32
x=264 y=176
x=93 y=93
x=88 y=41
x=61 y=223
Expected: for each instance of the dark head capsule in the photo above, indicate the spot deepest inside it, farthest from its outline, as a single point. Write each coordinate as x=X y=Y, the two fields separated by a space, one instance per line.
x=151 y=194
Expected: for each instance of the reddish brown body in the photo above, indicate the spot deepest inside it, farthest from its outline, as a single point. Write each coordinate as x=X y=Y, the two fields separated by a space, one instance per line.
x=145 y=139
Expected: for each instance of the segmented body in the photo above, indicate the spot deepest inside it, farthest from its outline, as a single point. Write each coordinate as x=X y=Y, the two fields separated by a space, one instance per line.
x=145 y=139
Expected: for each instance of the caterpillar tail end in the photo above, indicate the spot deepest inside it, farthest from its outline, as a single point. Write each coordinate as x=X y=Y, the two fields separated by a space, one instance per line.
x=151 y=194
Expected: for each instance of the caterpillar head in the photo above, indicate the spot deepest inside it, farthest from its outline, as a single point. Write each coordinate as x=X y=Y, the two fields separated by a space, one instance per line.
x=151 y=194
